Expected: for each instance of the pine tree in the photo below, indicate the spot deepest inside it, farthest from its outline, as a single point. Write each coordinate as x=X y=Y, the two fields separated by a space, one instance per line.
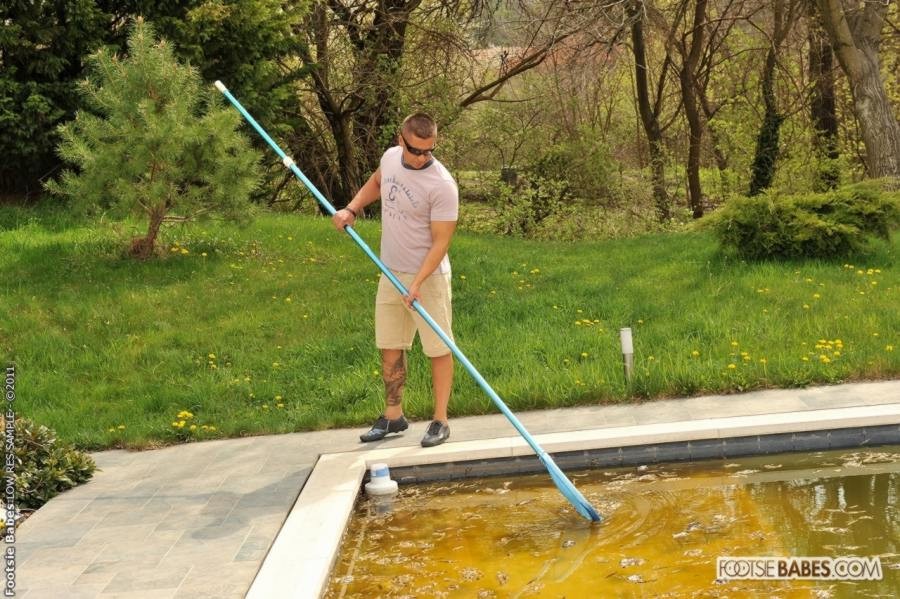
x=154 y=140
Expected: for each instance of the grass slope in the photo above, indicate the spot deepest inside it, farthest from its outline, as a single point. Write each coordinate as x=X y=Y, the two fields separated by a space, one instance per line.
x=269 y=328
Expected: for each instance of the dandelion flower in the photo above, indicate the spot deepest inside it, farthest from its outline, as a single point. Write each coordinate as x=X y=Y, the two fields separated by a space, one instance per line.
x=121 y=427
x=193 y=427
x=732 y=366
x=695 y=354
x=888 y=348
x=584 y=354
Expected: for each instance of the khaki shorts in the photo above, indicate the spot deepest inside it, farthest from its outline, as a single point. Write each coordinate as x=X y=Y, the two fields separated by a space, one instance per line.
x=396 y=325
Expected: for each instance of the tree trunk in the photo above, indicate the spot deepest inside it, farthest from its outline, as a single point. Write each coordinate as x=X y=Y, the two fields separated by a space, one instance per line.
x=855 y=35
x=822 y=108
x=687 y=78
x=143 y=247
x=649 y=117
x=767 y=140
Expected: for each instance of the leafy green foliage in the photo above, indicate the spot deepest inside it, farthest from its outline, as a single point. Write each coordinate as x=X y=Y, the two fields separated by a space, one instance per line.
x=830 y=224
x=154 y=141
x=41 y=49
x=45 y=467
x=520 y=210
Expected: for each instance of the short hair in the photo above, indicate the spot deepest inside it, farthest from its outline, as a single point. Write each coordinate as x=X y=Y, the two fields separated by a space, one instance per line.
x=420 y=124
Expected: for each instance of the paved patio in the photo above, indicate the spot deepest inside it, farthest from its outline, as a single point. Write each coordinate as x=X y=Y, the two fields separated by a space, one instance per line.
x=197 y=520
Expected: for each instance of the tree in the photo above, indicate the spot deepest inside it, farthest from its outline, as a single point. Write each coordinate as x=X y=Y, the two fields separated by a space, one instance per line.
x=153 y=140
x=42 y=45
x=823 y=110
x=854 y=29
x=766 y=154
x=650 y=112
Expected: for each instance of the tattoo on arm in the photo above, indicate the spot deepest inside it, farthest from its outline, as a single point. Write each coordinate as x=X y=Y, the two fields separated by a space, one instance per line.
x=394 y=380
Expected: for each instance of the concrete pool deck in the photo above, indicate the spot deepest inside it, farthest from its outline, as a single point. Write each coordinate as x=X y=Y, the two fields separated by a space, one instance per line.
x=223 y=519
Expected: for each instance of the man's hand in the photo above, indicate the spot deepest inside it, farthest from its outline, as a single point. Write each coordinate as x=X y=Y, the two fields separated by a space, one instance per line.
x=343 y=218
x=412 y=295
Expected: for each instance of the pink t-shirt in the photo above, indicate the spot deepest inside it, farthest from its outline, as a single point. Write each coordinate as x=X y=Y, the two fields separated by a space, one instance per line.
x=410 y=200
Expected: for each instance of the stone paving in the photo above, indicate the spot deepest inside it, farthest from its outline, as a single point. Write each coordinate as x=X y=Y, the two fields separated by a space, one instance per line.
x=197 y=520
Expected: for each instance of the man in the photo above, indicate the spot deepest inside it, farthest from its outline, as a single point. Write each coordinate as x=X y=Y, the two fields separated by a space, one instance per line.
x=419 y=209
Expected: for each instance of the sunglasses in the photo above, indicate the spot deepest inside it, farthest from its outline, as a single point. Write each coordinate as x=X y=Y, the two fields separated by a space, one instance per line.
x=416 y=151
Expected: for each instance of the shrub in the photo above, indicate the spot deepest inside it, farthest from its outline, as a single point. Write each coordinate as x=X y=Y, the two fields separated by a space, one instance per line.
x=44 y=466
x=584 y=164
x=807 y=225
x=520 y=210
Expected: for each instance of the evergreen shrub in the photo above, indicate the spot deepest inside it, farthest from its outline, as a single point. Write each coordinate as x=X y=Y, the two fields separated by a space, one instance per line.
x=808 y=225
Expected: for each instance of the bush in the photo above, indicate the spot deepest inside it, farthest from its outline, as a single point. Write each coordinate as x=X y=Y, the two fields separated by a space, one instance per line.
x=810 y=225
x=44 y=466
x=584 y=164
x=520 y=210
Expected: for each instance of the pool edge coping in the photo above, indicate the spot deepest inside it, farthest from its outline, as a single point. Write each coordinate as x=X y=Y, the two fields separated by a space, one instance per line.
x=300 y=560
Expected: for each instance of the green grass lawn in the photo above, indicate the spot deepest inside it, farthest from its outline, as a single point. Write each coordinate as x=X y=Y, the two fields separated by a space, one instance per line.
x=269 y=328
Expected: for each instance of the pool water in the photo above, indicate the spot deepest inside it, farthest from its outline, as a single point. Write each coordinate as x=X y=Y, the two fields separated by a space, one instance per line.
x=665 y=526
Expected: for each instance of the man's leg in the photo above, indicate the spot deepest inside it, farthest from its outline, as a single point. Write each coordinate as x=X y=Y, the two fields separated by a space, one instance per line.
x=393 y=372
x=442 y=383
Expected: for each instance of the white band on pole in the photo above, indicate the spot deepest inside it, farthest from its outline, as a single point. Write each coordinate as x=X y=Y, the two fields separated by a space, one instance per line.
x=288 y=161
x=220 y=86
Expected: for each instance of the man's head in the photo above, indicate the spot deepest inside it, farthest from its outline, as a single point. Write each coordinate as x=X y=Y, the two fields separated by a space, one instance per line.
x=418 y=135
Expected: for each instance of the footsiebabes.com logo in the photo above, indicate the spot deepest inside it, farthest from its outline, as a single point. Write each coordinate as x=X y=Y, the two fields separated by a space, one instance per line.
x=798 y=568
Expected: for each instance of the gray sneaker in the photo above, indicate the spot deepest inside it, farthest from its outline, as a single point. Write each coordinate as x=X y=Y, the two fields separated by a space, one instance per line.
x=437 y=433
x=382 y=427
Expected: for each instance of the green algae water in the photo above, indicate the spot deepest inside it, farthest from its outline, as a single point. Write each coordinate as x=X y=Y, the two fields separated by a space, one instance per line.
x=665 y=527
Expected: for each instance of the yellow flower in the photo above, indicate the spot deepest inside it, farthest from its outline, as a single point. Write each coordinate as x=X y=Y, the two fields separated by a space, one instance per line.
x=279 y=405
x=732 y=366
x=734 y=344
x=888 y=348
x=203 y=254
x=212 y=356
x=805 y=359
x=277 y=398
x=816 y=296
x=111 y=430
x=695 y=354
x=824 y=359
x=121 y=427
x=806 y=306
x=193 y=427
x=184 y=251
x=584 y=354
x=763 y=361
x=463 y=277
